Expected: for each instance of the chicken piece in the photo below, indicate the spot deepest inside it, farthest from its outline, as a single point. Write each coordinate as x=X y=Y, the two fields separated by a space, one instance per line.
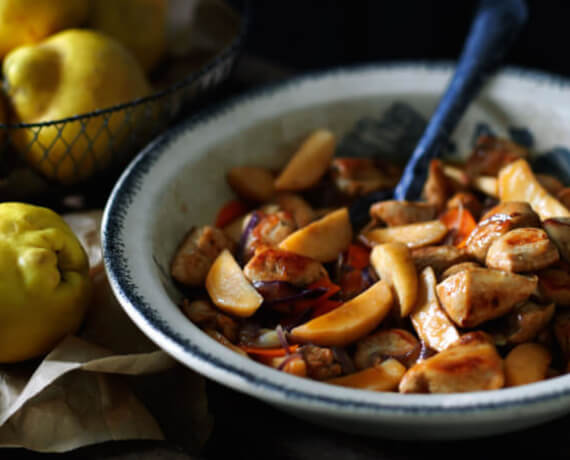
x=440 y=258
x=269 y=232
x=525 y=322
x=395 y=212
x=197 y=253
x=522 y=250
x=558 y=229
x=496 y=222
x=438 y=188
x=220 y=338
x=458 y=268
x=473 y=365
x=468 y=201
x=564 y=197
x=278 y=265
x=561 y=326
x=491 y=154
x=474 y=296
x=554 y=285
x=526 y=363
x=456 y=175
x=382 y=377
x=320 y=362
x=430 y=322
x=360 y=176
x=302 y=212
x=550 y=183
x=389 y=343
x=203 y=314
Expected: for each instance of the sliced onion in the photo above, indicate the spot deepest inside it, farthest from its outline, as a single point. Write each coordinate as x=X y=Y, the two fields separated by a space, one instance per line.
x=282 y=338
x=275 y=292
x=251 y=224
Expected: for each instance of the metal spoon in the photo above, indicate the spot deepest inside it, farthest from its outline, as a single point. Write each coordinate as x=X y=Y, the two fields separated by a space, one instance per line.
x=496 y=25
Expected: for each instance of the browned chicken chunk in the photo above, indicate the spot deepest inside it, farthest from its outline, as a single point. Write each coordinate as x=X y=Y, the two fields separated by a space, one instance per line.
x=197 y=253
x=554 y=285
x=320 y=362
x=498 y=221
x=474 y=296
x=525 y=322
x=468 y=201
x=459 y=268
x=562 y=332
x=302 y=212
x=491 y=154
x=359 y=176
x=203 y=313
x=389 y=343
x=471 y=365
x=440 y=258
x=279 y=265
x=558 y=230
x=395 y=212
x=270 y=231
x=522 y=250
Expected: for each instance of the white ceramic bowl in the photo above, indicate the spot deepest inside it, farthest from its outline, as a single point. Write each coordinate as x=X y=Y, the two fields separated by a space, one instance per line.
x=179 y=181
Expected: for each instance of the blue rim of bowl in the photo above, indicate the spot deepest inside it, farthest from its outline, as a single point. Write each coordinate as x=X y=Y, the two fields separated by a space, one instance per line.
x=125 y=288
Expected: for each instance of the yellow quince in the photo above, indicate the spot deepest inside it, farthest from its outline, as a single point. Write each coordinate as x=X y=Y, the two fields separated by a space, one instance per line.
x=28 y=21
x=140 y=25
x=71 y=73
x=44 y=281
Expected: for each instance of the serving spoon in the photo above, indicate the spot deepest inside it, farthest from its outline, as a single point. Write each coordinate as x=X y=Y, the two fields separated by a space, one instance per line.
x=494 y=29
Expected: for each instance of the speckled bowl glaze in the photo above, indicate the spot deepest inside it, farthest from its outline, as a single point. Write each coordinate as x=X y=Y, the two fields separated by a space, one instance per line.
x=179 y=181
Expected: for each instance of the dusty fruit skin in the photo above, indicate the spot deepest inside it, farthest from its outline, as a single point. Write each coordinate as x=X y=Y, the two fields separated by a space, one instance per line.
x=23 y=22
x=44 y=281
x=71 y=73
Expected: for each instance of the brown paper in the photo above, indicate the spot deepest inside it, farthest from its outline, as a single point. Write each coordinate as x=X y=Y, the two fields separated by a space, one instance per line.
x=95 y=386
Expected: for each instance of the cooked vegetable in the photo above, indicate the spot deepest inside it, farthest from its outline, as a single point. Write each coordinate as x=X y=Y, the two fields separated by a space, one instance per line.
x=382 y=377
x=349 y=322
x=518 y=183
x=558 y=229
x=252 y=183
x=474 y=296
x=265 y=230
x=229 y=289
x=309 y=163
x=550 y=183
x=196 y=254
x=393 y=263
x=438 y=188
x=323 y=239
x=398 y=344
x=459 y=268
x=486 y=184
x=564 y=197
x=412 y=235
x=360 y=176
x=526 y=363
x=466 y=200
x=461 y=368
x=230 y=212
x=527 y=320
x=428 y=318
x=395 y=213
x=522 y=250
x=460 y=223
x=491 y=154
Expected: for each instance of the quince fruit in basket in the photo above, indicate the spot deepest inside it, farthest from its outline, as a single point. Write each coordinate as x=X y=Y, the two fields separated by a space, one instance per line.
x=28 y=21
x=140 y=25
x=72 y=73
x=44 y=281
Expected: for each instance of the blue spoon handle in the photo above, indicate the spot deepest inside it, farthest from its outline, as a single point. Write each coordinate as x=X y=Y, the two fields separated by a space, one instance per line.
x=495 y=27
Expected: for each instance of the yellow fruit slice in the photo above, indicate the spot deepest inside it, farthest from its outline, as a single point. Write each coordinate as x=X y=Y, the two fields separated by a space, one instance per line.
x=412 y=235
x=309 y=163
x=517 y=182
x=393 y=263
x=229 y=289
x=383 y=377
x=349 y=322
x=323 y=239
x=527 y=363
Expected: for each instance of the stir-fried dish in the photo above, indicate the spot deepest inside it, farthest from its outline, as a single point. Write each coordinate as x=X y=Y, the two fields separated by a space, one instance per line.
x=466 y=290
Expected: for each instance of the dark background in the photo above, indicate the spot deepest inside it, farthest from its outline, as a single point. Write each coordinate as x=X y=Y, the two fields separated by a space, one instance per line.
x=315 y=34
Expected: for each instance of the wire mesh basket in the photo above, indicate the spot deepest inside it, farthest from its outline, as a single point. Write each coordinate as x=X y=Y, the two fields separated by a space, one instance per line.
x=84 y=147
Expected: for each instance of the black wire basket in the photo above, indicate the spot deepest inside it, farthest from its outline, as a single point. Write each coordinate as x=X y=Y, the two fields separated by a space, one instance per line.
x=84 y=147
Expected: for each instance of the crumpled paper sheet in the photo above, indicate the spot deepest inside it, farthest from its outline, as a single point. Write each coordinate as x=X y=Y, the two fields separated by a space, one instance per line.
x=96 y=386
